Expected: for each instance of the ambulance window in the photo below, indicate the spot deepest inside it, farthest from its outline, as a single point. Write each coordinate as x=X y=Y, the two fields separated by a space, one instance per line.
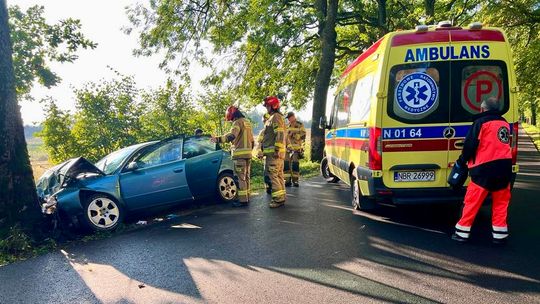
x=361 y=103
x=478 y=81
x=343 y=106
x=417 y=93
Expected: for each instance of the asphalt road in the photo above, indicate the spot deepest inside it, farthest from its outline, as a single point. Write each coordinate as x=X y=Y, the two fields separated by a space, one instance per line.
x=314 y=250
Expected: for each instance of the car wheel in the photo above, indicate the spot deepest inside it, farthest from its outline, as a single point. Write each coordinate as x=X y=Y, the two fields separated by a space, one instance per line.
x=359 y=201
x=227 y=191
x=325 y=172
x=102 y=213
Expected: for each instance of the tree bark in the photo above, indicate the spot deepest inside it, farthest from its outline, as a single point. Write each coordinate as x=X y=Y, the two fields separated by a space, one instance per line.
x=534 y=112
x=429 y=6
x=382 y=17
x=327 y=30
x=18 y=198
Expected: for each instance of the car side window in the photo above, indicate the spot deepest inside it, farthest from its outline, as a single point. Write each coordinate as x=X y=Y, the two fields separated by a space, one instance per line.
x=161 y=154
x=197 y=146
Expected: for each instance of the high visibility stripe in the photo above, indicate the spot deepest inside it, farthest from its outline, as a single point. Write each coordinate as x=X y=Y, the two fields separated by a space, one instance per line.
x=464 y=235
x=463 y=228
x=293 y=129
x=280 y=145
x=241 y=152
x=278 y=129
x=278 y=193
x=500 y=236
x=286 y=175
x=499 y=229
x=269 y=150
x=243 y=192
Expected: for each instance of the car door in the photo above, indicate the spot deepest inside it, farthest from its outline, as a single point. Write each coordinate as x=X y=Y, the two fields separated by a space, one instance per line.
x=159 y=178
x=203 y=161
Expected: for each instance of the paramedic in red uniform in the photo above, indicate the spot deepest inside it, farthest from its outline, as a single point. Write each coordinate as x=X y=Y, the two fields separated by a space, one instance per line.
x=487 y=154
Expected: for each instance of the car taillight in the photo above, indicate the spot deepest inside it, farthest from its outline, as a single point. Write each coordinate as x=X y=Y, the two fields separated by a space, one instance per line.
x=514 y=143
x=375 y=149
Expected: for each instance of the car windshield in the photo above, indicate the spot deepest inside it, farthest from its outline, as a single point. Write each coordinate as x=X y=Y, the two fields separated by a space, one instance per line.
x=110 y=163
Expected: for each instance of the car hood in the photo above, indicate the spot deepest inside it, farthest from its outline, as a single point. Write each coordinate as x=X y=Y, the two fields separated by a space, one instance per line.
x=61 y=175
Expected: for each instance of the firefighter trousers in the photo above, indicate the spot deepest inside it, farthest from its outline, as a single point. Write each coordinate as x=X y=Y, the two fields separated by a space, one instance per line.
x=474 y=198
x=242 y=170
x=274 y=166
x=292 y=167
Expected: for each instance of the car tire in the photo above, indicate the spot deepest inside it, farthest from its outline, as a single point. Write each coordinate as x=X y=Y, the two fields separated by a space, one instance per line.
x=226 y=188
x=325 y=172
x=102 y=213
x=359 y=201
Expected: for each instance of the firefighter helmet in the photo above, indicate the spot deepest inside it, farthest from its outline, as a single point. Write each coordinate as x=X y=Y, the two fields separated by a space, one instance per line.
x=229 y=114
x=271 y=101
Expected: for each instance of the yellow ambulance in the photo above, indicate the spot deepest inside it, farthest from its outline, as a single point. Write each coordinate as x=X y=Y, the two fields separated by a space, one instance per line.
x=404 y=106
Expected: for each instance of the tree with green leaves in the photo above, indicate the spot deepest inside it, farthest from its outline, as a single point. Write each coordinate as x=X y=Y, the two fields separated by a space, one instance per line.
x=37 y=43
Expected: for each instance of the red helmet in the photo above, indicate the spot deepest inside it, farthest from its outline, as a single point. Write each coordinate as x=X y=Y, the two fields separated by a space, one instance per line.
x=271 y=101
x=229 y=114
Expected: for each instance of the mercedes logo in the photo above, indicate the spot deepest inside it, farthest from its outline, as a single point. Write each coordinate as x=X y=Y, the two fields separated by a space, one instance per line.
x=449 y=132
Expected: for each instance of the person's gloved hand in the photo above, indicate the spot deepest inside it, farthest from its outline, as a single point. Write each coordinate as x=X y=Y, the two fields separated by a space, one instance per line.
x=460 y=162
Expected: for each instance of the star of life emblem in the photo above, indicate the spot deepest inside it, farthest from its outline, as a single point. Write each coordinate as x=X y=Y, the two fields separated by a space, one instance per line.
x=416 y=93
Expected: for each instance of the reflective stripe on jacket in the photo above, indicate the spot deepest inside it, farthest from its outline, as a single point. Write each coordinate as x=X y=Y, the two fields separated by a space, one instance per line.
x=273 y=135
x=241 y=138
x=296 y=134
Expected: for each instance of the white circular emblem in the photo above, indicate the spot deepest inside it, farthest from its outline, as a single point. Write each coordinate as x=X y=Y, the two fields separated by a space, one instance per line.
x=416 y=93
x=504 y=135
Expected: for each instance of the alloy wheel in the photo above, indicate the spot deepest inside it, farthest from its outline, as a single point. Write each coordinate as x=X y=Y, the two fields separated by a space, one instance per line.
x=103 y=212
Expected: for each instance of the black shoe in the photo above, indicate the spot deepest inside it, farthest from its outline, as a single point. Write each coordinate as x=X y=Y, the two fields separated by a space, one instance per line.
x=239 y=204
x=269 y=190
x=499 y=242
x=296 y=184
x=458 y=238
x=288 y=184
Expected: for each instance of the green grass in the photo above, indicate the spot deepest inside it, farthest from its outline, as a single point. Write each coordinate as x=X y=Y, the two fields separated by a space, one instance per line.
x=307 y=169
x=534 y=133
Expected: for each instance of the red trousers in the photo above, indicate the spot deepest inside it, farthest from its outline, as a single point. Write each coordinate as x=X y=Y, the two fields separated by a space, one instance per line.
x=473 y=201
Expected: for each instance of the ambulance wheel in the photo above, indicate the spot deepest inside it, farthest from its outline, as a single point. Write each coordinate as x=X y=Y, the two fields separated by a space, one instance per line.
x=359 y=201
x=325 y=172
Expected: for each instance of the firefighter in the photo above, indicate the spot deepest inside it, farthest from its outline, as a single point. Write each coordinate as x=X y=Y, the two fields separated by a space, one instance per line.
x=241 y=138
x=487 y=153
x=260 y=154
x=273 y=146
x=296 y=135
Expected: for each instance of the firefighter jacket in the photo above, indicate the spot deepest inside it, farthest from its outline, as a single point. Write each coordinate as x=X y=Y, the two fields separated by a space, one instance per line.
x=487 y=151
x=273 y=136
x=241 y=138
x=296 y=135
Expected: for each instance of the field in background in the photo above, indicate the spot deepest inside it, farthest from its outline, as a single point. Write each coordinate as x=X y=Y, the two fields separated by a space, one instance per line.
x=38 y=156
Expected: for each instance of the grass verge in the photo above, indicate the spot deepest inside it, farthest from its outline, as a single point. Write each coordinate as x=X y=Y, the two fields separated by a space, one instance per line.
x=534 y=133
x=307 y=169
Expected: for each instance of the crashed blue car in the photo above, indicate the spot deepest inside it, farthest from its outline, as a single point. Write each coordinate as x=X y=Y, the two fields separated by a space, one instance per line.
x=147 y=175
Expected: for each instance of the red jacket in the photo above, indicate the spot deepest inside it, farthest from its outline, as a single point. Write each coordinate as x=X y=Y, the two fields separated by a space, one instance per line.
x=487 y=151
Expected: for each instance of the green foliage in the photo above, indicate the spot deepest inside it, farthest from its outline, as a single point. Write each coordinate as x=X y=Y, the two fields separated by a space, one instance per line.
x=37 y=43
x=114 y=114
x=534 y=133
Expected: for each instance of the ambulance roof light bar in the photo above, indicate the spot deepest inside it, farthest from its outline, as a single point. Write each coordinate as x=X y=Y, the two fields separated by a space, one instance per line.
x=445 y=23
x=421 y=28
x=475 y=26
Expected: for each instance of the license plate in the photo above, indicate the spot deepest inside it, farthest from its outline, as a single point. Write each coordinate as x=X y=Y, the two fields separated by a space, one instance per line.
x=414 y=176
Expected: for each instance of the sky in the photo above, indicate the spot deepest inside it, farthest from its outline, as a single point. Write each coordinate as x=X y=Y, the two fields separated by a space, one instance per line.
x=102 y=22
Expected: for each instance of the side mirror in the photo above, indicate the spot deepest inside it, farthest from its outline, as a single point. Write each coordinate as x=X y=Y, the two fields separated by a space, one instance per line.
x=132 y=166
x=323 y=124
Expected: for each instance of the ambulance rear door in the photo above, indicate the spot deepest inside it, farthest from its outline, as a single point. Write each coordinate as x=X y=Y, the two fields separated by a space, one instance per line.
x=415 y=117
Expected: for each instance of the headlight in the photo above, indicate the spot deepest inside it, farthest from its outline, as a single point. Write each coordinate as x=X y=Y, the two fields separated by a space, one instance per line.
x=49 y=207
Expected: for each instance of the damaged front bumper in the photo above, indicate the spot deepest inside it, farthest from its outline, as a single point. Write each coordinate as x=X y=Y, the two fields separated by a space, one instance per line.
x=49 y=205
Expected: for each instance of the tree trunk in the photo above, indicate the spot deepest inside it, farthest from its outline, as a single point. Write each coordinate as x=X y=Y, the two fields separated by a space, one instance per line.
x=18 y=199
x=429 y=6
x=327 y=30
x=534 y=112
x=382 y=17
